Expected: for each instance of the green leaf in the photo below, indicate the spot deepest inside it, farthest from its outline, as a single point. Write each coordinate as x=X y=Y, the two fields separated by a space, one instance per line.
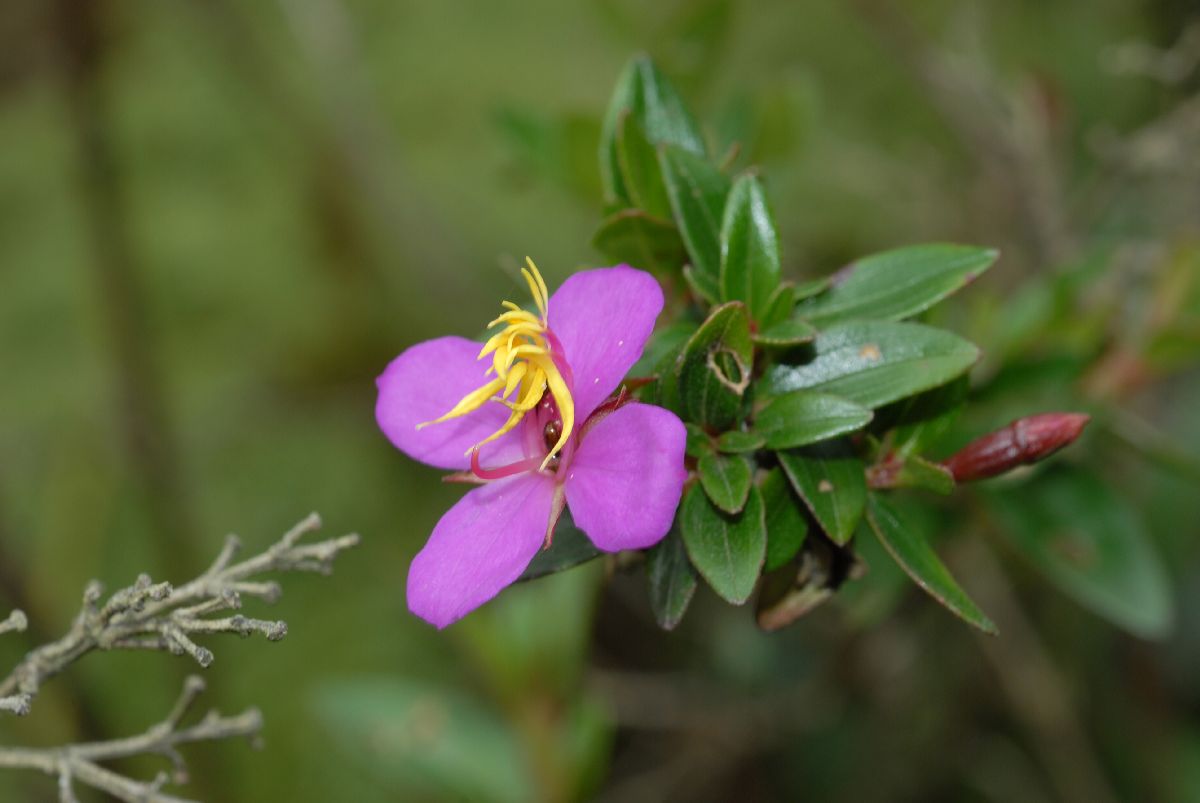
x=728 y=551
x=662 y=343
x=666 y=389
x=626 y=95
x=672 y=580
x=697 y=193
x=698 y=442
x=638 y=160
x=726 y=480
x=569 y=548
x=925 y=418
x=791 y=332
x=714 y=368
x=900 y=283
x=474 y=756
x=915 y=471
x=912 y=551
x=736 y=442
x=811 y=288
x=832 y=482
x=877 y=362
x=643 y=94
x=637 y=238
x=802 y=417
x=749 y=269
x=663 y=114
x=787 y=526
x=779 y=307
x=702 y=287
x=1090 y=542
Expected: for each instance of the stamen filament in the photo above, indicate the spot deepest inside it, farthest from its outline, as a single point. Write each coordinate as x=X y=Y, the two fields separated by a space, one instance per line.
x=527 y=361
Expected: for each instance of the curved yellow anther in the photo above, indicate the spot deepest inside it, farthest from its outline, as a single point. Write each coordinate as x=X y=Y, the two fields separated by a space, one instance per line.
x=524 y=368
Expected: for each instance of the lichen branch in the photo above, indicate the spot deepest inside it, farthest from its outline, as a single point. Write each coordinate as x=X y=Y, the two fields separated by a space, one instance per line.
x=15 y=703
x=159 y=616
x=82 y=763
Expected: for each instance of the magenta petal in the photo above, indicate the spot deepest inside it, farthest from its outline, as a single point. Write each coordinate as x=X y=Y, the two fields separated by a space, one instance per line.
x=479 y=547
x=624 y=483
x=424 y=383
x=602 y=318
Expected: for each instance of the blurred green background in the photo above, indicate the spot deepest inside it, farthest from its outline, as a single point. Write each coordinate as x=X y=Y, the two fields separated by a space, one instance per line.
x=219 y=221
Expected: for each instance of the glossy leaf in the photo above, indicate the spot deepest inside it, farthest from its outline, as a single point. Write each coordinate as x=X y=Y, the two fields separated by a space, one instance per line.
x=714 y=368
x=787 y=526
x=749 y=248
x=637 y=238
x=666 y=387
x=736 y=442
x=728 y=551
x=662 y=343
x=645 y=95
x=810 y=288
x=726 y=479
x=638 y=160
x=626 y=96
x=779 y=306
x=877 y=362
x=672 y=580
x=802 y=417
x=1088 y=540
x=832 y=482
x=898 y=284
x=664 y=115
x=698 y=442
x=925 y=418
x=913 y=552
x=697 y=192
x=793 y=331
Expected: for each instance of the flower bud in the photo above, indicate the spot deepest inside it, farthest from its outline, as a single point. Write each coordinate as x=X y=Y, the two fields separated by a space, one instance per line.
x=1024 y=441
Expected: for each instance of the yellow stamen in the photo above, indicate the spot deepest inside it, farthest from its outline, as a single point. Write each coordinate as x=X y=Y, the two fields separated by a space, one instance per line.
x=523 y=365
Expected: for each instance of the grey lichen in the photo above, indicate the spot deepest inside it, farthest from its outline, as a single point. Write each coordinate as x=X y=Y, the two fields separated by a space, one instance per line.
x=159 y=616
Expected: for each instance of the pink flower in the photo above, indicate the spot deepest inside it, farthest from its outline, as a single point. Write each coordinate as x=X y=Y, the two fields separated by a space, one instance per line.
x=533 y=425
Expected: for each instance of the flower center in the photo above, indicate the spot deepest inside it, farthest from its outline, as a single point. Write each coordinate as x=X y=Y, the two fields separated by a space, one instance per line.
x=527 y=362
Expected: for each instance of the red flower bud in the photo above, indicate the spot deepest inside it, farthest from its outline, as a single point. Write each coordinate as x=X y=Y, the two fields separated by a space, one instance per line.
x=1026 y=440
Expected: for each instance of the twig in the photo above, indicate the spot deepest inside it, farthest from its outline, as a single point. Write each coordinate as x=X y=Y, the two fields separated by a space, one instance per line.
x=157 y=616
x=15 y=703
x=15 y=621
x=80 y=763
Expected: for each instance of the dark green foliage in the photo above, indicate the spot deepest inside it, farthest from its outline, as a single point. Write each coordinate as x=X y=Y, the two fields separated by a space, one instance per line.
x=726 y=479
x=672 y=580
x=714 y=368
x=778 y=372
x=727 y=549
x=830 y=479
x=912 y=551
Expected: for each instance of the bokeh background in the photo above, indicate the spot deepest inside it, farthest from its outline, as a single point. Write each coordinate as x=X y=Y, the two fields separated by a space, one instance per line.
x=220 y=220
